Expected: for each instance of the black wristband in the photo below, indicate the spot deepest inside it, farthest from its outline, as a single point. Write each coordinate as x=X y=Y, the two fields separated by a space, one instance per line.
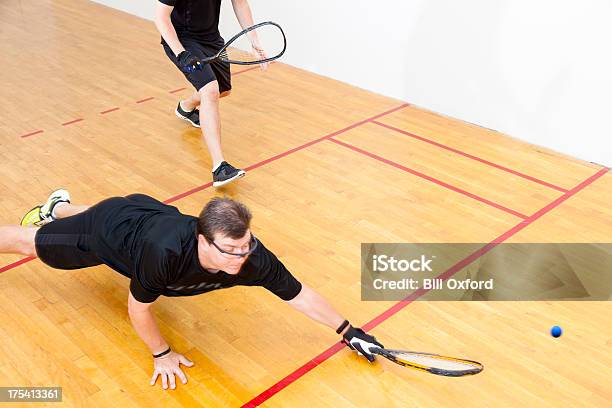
x=163 y=353
x=342 y=326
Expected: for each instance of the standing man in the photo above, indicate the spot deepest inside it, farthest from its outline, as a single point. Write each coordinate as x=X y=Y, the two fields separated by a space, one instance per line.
x=190 y=32
x=166 y=253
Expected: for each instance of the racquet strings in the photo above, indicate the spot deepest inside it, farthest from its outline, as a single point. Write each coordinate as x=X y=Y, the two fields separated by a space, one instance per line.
x=270 y=40
x=437 y=362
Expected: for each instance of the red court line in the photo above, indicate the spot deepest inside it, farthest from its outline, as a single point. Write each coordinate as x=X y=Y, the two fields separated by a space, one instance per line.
x=288 y=152
x=319 y=359
x=73 y=121
x=294 y=376
x=188 y=193
x=312 y=142
x=139 y=101
x=478 y=253
x=16 y=263
x=109 y=110
x=32 y=133
x=429 y=178
x=254 y=166
x=481 y=160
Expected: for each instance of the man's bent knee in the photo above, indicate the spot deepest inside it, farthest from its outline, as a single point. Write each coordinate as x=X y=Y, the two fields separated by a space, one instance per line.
x=210 y=91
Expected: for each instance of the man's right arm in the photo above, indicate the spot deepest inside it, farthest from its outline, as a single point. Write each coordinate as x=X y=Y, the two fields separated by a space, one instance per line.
x=165 y=27
x=167 y=366
x=144 y=323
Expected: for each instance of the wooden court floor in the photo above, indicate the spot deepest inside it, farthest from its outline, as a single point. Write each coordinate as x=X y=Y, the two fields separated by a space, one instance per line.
x=87 y=102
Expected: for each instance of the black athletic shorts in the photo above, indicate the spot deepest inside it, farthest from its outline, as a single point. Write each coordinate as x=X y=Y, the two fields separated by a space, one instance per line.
x=66 y=243
x=217 y=70
x=74 y=242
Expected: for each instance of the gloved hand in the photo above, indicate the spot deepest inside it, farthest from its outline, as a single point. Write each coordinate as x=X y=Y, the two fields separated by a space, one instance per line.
x=188 y=62
x=362 y=342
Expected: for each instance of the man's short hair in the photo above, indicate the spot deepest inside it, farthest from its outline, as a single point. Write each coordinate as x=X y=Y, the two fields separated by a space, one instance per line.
x=225 y=217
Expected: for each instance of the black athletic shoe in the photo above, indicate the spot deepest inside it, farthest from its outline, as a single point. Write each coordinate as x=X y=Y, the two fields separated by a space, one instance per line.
x=226 y=173
x=192 y=117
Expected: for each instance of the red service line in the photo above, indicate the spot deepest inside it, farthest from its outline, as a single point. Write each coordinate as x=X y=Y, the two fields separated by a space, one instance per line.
x=188 y=193
x=304 y=369
x=294 y=376
x=312 y=142
x=252 y=167
x=16 y=263
x=497 y=166
x=433 y=180
x=480 y=252
x=177 y=90
x=73 y=121
x=32 y=133
x=116 y=108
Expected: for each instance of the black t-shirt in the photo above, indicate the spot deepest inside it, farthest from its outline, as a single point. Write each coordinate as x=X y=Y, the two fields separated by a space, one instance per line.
x=156 y=247
x=195 y=19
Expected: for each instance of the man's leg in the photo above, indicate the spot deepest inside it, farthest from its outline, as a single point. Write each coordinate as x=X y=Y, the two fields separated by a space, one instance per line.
x=223 y=172
x=20 y=240
x=211 y=130
x=207 y=117
x=191 y=103
x=15 y=239
x=207 y=98
x=194 y=99
x=63 y=210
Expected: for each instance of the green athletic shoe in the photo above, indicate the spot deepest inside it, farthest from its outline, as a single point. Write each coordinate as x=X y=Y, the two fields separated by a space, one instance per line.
x=43 y=214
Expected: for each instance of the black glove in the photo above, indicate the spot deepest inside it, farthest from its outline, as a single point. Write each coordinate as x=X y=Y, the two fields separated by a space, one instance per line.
x=188 y=62
x=362 y=342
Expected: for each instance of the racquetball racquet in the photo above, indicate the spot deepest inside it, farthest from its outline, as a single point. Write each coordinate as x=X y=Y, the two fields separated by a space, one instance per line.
x=258 y=44
x=432 y=363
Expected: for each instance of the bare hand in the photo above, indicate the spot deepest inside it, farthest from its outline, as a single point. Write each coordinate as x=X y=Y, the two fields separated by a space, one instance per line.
x=260 y=53
x=167 y=367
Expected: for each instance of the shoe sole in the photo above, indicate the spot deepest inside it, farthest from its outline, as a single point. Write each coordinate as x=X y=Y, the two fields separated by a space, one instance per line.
x=25 y=216
x=224 y=182
x=178 y=115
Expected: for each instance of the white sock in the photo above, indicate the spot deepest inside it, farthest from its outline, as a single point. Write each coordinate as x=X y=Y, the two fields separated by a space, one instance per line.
x=183 y=107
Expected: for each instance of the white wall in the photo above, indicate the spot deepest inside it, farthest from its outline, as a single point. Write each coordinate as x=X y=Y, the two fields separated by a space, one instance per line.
x=538 y=70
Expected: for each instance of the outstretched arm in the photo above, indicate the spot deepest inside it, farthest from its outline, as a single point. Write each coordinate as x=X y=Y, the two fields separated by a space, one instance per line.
x=318 y=308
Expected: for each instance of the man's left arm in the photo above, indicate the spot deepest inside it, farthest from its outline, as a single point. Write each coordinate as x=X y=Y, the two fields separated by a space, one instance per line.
x=319 y=309
x=243 y=13
x=242 y=9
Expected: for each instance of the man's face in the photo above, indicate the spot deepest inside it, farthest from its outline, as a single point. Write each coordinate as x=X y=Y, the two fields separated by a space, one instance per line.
x=218 y=254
